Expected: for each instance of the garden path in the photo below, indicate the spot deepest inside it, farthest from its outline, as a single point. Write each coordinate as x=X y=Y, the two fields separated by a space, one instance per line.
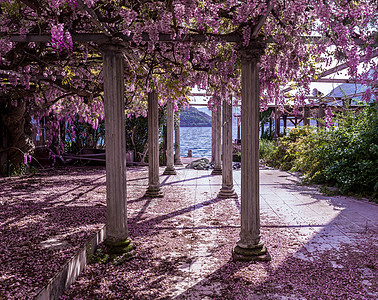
x=321 y=247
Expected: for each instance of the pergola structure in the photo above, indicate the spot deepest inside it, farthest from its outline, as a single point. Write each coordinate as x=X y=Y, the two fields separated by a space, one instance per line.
x=314 y=110
x=250 y=245
x=114 y=49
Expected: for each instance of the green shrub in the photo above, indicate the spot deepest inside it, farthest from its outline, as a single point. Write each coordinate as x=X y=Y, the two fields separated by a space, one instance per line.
x=282 y=153
x=236 y=157
x=307 y=160
x=351 y=160
x=345 y=156
x=267 y=149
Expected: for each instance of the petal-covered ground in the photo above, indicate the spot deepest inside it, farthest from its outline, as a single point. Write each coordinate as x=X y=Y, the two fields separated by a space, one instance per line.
x=44 y=219
x=321 y=247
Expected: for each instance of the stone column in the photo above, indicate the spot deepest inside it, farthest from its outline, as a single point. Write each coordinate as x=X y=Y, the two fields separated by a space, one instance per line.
x=306 y=114
x=250 y=246
x=213 y=134
x=116 y=223
x=153 y=190
x=177 y=141
x=270 y=125
x=216 y=123
x=170 y=169
x=276 y=123
x=321 y=114
x=238 y=137
x=227 y=190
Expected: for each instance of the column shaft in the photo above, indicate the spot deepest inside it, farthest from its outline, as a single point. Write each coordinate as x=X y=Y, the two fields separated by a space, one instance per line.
x=213 y=134
x=321 y=114
x=285 y=123
x=250 y=247
x=276 y=123
x=170 y=169
x=153 y=189
x=227 y=190
x=238 y=137
x=217 y=123
x=250 y=216
x=177 y=141
x=306 y=114
x=116 y=224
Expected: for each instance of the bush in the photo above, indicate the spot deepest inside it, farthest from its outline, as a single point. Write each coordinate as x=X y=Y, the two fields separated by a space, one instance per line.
x=137 y=135
x=236 y=157
x=282 y=153
x=351 y=159
x=268 y=149
x=345 y=156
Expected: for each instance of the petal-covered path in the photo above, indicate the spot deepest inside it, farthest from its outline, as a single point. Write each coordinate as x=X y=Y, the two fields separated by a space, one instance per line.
x=321 y=247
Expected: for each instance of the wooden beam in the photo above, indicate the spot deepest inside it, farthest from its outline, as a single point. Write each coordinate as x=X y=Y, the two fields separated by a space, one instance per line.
x=344 y=66
x=334 y=70
x=31 y=3
x=93 y=17
x=199 y=94
x=332 y=80
x=163 y=37
x=194 y=104
x=44 y=38
x=100 y=37
x=260 y=24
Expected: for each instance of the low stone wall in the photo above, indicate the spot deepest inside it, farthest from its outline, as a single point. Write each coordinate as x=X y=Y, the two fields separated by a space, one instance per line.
x=71 y=270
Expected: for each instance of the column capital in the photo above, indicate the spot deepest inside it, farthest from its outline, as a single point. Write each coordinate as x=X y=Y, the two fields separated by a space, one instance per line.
x=253 y=51
x=110 y=48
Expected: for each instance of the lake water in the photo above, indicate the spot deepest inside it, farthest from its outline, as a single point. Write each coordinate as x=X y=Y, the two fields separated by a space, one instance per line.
x=198 y=139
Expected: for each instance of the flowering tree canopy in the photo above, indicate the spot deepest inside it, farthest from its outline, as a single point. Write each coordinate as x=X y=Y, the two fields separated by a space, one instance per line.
x=50 y=50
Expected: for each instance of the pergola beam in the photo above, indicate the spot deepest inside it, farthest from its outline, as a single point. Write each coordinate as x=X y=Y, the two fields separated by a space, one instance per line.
x=257 y=28
x=335 y=70
x=93 y=17
x=344 y=66
x=334 y=80
x=163 y=37
x=100 y=37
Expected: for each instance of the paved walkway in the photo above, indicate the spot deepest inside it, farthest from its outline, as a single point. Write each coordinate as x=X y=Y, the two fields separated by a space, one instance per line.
x=321 y=247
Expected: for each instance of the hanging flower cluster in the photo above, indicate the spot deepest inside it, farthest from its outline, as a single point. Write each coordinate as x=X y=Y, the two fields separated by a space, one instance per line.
x=61 y=40
x=328 y=117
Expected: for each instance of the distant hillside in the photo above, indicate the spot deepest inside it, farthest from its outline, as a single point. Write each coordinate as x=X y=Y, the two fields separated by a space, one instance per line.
x=192 y=117
x=205 y=110
x=235 y=111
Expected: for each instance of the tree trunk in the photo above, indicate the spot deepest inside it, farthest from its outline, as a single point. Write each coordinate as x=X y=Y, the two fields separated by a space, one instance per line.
x=16 y=132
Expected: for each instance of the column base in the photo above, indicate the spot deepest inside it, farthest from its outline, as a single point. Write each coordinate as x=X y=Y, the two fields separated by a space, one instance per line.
x=259 y=253
x=169 y=171
x=120 y=247
x=178 y=163
x=225 y=193
x=154 y=192
x=216 y=171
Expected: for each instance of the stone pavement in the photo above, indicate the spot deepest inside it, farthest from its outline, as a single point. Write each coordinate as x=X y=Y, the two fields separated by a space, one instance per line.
x=321 y=247
x=322 y=222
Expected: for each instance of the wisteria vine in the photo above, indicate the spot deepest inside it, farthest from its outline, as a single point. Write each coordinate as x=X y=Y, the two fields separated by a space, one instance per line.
x=63 y=78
